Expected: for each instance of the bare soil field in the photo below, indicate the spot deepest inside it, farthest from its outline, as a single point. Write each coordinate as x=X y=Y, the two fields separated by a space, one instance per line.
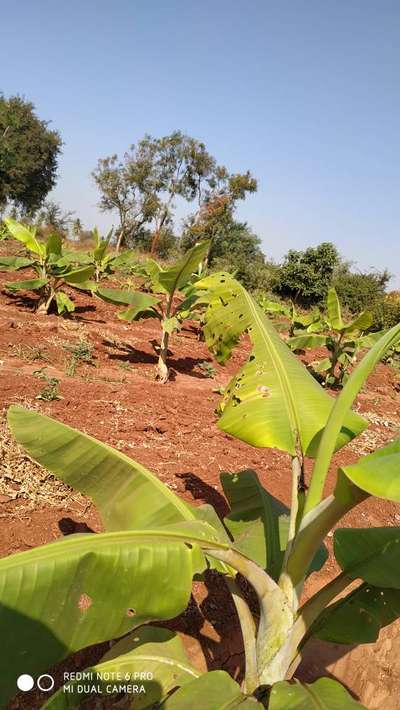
x=172 y=430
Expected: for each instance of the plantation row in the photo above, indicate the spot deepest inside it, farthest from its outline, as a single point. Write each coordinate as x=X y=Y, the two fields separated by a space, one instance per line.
x=89 y=588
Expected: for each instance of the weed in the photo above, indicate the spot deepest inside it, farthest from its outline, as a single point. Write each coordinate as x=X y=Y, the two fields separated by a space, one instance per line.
x=208 y=369
x=81 y=352
x=50 y=391
x=29 y=353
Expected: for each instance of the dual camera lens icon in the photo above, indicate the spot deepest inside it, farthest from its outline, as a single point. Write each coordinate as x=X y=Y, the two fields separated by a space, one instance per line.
x=45 y=682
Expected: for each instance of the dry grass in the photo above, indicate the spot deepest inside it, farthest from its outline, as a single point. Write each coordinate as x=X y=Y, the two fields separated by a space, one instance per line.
x=22 y=480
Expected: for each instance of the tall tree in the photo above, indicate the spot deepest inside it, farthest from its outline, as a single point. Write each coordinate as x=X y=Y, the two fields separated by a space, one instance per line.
x=126 y=186
x=145 y=185
x=29 y=153
x=215 y=218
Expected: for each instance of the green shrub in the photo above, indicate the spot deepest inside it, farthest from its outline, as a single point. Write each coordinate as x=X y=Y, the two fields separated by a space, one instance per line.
x=305 y=276
x=358 y=291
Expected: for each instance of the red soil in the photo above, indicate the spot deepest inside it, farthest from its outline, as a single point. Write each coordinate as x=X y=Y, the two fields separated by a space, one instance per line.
x=172 y=430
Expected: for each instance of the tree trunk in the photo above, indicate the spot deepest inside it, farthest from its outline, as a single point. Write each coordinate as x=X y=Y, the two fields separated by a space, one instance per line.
x=120 y=240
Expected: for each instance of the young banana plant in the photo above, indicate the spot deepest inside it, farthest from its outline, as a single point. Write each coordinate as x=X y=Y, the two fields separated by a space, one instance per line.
x=52 y=268
x=63 y=596
x=308 y=322
x=343 y=340
x=163 y=307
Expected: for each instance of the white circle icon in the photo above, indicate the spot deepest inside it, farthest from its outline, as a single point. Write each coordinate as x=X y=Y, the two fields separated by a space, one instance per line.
x=25 y=682
x=45 y=682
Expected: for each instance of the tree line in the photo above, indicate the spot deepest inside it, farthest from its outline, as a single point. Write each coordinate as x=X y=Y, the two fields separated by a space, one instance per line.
x=144 y=189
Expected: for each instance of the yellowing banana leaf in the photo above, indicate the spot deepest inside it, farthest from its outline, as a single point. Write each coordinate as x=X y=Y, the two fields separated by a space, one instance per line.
x=273 y=401
x=177 y=276
x=25 y=235
x=378 y=473
x=324 y=694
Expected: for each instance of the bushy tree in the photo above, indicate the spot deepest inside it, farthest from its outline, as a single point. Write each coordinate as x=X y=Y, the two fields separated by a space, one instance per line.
x=306 y=275
x=144 y=186
x=29 y=153
x=358 y=291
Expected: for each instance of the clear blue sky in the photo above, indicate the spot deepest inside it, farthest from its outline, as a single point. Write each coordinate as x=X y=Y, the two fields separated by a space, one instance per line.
x=304 y=93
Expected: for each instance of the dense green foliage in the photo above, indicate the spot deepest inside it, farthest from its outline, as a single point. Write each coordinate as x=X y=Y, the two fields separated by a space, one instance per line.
x=166 y=284
x=306 y=275
x=358 y=291
x=29 y=153
x=342 y=339
x=54 y=269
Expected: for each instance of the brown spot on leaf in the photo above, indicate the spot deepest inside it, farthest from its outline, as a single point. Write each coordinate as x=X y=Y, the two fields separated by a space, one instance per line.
x=85 y=602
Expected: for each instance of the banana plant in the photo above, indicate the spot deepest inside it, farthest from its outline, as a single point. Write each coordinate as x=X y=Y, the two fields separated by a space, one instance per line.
x=163 y=306
x=308 y=322
x=103 y=261
x=60 y=597
x=343 y=340
x=52 y=269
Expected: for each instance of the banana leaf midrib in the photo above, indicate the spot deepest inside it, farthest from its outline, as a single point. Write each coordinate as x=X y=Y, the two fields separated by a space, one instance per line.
x=279 y=369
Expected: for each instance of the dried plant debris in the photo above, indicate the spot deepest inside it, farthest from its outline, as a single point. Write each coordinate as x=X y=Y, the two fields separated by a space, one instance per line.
x=22 y=480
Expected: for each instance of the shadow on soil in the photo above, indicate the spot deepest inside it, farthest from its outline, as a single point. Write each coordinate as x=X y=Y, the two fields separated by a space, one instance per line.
x=183 y=365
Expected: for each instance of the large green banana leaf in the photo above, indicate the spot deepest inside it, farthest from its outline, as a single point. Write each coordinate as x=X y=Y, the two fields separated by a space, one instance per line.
x=54 y=245
x=26 y=236
x=27 y=285
x=64 y=303
x=126 y=494
x=334 y=310
x=308 y=340
x=126 y=297
x=378 y=473
x=273 y=401
x=358 y=617
x=324 y=694
x=14 y=263
x=178 y=275
x=371 y=554
x=78 y=275
x=259 y=523
x=211 y=691
x=256 y=521
x=85 y=589
x=149 y=650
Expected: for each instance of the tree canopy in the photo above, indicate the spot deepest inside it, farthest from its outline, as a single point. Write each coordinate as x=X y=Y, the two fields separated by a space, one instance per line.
x=144 y=185
x=29 y=153
x=307 y=275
